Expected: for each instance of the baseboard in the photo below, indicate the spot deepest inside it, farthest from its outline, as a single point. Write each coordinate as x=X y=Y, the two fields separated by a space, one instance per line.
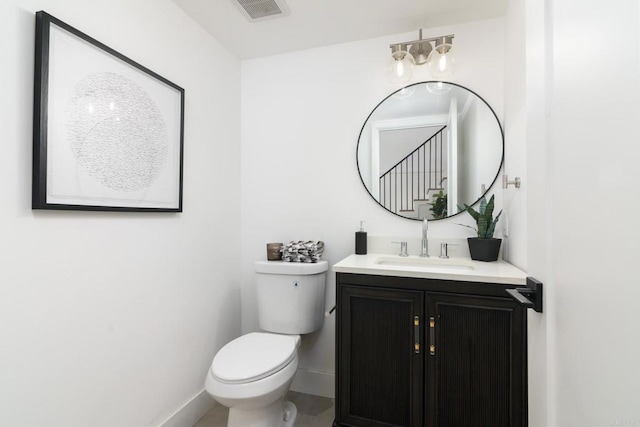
x=314 y=382
x=191 y=411
x=305 y=381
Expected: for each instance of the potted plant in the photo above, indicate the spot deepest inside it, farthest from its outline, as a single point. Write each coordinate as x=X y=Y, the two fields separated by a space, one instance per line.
x=439 y=205
x=484 y=247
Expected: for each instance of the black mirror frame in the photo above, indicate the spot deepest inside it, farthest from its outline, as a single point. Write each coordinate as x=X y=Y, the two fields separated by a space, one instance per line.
x=421 y=83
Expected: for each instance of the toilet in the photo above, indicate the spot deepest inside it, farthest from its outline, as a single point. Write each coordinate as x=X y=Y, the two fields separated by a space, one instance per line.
x=251 y=374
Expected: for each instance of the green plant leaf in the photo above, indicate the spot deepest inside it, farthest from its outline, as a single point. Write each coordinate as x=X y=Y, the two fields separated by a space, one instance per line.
x=475 y=215
x=488 y=212
x=483 y=206
x=468 y=226
x=492 y=227
x=484 y=217
x=439 y=205
x=483 y=223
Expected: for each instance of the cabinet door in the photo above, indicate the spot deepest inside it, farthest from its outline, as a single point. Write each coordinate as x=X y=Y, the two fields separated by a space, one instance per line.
x=476 y=374
x=380 y=371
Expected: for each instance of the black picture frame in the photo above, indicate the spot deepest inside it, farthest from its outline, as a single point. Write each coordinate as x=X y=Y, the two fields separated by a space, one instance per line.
x=108 y=133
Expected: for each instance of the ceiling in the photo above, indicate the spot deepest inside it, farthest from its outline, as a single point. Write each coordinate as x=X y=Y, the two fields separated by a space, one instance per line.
x=315 y=23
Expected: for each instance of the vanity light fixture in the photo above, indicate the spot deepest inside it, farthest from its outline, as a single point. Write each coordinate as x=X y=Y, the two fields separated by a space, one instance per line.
x=436 y=52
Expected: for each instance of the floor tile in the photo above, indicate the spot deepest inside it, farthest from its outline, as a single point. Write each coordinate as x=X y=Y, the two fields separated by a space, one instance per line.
x=313 y=411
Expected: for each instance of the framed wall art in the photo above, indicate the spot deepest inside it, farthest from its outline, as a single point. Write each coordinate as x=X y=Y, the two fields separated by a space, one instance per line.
x=108 y=133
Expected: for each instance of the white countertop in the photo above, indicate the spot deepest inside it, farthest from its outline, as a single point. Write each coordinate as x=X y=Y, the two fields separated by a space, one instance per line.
x=462 y=269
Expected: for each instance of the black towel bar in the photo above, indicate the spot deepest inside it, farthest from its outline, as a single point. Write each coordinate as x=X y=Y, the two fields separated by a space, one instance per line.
x=531 y=296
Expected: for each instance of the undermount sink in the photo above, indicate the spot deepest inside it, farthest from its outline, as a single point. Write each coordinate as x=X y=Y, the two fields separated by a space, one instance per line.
x=430 y=263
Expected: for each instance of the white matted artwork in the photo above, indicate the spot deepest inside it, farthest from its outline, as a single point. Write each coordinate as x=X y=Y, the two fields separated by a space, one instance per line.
x=108 y=133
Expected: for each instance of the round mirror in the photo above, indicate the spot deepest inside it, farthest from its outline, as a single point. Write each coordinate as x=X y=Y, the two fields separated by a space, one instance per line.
x=428 y=149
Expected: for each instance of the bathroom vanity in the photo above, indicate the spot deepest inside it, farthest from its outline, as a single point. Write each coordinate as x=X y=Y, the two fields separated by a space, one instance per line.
x=429 y=342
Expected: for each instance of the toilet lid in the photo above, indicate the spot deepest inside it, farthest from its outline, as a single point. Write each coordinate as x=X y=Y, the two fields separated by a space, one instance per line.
x=253 y=356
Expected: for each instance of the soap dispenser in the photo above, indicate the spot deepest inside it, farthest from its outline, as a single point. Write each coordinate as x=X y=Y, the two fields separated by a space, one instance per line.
x=361 y=240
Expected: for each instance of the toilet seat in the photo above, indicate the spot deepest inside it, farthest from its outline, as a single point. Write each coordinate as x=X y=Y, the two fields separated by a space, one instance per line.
x=253 y=356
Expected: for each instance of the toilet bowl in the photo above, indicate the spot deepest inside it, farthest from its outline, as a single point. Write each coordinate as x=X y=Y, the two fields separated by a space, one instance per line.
x=251 y=374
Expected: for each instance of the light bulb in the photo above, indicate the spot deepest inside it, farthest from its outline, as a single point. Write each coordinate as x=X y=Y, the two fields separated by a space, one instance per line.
x=438 y=88
x=400 y=67
x=441 y=61
x=405 y=92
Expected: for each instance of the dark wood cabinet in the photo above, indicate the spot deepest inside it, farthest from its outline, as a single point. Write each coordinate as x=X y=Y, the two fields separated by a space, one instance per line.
x=377 y=339
x=476 y=376
x=420 y=352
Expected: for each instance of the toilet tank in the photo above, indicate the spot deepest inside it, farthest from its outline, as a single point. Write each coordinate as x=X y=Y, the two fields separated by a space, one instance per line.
x=291 y=296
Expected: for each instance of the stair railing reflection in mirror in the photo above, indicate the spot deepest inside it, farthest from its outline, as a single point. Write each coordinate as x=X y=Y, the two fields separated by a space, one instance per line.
x=413 y=181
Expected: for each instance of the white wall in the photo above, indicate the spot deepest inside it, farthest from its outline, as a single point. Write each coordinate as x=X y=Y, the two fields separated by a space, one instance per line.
x=517 y=93
x=112 y=319
x=593 y=222
x=526 y=208
x=477 y=135
x=301 y=116
x=396 y=144
x=583 y=250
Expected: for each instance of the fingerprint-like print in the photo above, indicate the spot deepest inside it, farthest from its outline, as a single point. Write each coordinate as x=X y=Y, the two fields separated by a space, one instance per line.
x=116 y=132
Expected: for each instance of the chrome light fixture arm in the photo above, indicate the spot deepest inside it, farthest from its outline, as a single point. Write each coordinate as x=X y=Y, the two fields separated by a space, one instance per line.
x=434 y=51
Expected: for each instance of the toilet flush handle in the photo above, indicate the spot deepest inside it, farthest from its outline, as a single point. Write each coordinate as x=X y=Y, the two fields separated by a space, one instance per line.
x=330 y=312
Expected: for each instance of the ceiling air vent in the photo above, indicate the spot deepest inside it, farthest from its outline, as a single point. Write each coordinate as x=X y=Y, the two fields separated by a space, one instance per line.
x=256 y=10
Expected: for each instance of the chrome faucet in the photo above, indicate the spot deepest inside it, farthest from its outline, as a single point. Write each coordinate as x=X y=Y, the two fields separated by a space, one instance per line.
x=424 y=248
x=444 y=250
x=403 y=249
